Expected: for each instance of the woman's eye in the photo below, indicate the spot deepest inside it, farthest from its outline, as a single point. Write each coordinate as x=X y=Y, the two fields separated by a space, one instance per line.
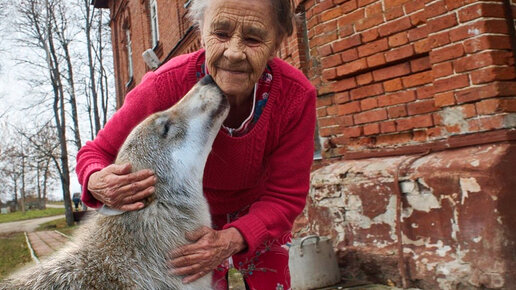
x=252 y=40
x=222 y=35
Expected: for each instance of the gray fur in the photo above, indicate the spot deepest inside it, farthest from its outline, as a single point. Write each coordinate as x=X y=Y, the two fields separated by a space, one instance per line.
x=129 y=251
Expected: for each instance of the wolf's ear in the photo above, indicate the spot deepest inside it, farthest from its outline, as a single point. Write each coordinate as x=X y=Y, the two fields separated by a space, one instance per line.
x=105 y=210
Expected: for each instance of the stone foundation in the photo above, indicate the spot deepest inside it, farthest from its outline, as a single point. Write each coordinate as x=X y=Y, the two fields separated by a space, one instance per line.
x=457 y=217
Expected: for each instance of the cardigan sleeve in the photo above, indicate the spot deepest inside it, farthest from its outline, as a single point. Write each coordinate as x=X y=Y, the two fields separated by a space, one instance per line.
x=286 y=188
x=141 y=102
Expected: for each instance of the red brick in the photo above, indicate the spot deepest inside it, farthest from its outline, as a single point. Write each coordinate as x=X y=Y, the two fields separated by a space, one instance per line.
x=352 y=132
x=341 y=97
x=393 y=85
x=414 y=5
x=394 y=26
x=391 y=14
x=346 y=121
x=332 y=110
x=444 y=99
x=420 y=121
x=394 y=3
x=331 y=13
x=370 y=116
x=495 y=89
x=477 y=28
x=442 y=23
x=366 y=91
x=331 y=61
x=487 y=107
x=322 y=6
x=321 y=112
x=352 y=67
x=391 y=139
x=352 y=17
x=397 y=111
x=483 y=59
x=435 y=9
x=362 y=3
x=420 y=64
x=328 y=131
x=398 y=39
x=349 y=108
x=344 y=85
x=364 y=79
x=508 y=105
x=369 y=22
x=451 y=83
x=493 y=74
x=425 y=92
x=391 y=72
x=375 y=60
x=373 y=47
x=329 y=74
x=346 y=30
x=346 y=43
x=442 y=69
x=347 y=6
x=484 y=42
x=418 y=18
x=422 y=46
x=369 y=35
x=417 y=79
x=446 y=53
x=419 y=135
x=368 y=103
x=490 y=122
x=434 y=133
x=396 y=98
x=326 y=122
x=388 y=127
x=371 y=129
x=325 y=50
x=481 y=10
x=439 y=39
x=417 y=33
x=421 y=107
x=399 y=53
x=349 y=55
x=323 y=101
x=453 y=4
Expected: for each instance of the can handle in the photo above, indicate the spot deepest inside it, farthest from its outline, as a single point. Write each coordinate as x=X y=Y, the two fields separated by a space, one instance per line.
x=307 y=238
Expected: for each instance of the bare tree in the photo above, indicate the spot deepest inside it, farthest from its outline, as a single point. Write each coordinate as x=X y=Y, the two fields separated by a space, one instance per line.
x=37 y=24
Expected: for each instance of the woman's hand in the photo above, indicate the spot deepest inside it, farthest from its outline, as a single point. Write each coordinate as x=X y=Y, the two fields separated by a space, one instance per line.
x=210 y=249
x=118 y=188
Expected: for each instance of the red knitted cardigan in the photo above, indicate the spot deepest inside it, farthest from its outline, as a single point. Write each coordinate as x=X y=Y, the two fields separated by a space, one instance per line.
x=267 y=170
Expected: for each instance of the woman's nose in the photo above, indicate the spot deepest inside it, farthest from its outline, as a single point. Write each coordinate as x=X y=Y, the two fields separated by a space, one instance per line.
x=234 y=50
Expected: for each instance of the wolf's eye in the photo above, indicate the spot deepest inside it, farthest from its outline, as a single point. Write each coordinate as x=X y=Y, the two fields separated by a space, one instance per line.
x=166 y=128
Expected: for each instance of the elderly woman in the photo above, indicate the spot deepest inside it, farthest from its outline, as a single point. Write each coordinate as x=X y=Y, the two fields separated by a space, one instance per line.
x=257 y=177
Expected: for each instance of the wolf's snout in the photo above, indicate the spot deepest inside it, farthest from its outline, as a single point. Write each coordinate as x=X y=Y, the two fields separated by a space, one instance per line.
x=206 y=80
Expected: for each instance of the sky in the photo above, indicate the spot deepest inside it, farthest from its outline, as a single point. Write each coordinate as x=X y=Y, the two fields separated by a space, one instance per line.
x=20 y=98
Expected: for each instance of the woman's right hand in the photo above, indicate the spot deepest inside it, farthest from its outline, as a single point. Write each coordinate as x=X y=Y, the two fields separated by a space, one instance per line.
x=119 y=188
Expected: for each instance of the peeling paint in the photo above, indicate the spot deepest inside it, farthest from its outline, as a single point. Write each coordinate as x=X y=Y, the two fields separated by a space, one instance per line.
x=475 y=163
x=468 y=185
x=419 y=195
x=454 y=116
x=477 y=239
x=474 y=31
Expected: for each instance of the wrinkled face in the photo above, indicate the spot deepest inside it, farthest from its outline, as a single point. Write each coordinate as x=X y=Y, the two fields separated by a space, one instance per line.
x=175 y=143
x=239 y=38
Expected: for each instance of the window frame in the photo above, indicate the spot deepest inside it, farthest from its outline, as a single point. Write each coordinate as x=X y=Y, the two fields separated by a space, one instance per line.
x=154 y=23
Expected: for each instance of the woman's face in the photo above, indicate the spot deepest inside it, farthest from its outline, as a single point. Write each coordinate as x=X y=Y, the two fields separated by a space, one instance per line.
x=239 y=37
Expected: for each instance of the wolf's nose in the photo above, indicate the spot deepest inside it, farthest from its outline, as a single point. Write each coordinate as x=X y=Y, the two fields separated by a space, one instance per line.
x=206 y=80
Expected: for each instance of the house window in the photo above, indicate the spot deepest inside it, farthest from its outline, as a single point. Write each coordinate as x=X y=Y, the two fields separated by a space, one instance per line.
x=129 y=55
x=154 y=22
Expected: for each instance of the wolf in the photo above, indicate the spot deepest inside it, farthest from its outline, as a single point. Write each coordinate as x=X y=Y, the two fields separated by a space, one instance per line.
x=130 y=250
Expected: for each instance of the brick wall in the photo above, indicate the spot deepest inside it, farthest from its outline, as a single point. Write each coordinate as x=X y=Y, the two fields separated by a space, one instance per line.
x=393 y=73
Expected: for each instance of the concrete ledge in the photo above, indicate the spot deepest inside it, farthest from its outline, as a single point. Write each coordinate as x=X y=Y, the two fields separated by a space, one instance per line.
x=456 y=217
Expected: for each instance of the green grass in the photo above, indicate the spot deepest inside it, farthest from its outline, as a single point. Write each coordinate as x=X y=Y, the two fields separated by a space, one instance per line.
x=59 y=224
x=14 y=253
x=31 y=214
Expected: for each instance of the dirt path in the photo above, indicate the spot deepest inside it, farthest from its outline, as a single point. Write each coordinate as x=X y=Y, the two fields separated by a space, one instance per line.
x=26 y=225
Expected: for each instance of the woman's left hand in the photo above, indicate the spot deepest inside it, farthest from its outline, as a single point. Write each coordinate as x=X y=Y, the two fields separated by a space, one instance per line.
x=209 y=249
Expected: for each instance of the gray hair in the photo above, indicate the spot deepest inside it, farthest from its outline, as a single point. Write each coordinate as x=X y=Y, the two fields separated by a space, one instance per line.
x=283 y=10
